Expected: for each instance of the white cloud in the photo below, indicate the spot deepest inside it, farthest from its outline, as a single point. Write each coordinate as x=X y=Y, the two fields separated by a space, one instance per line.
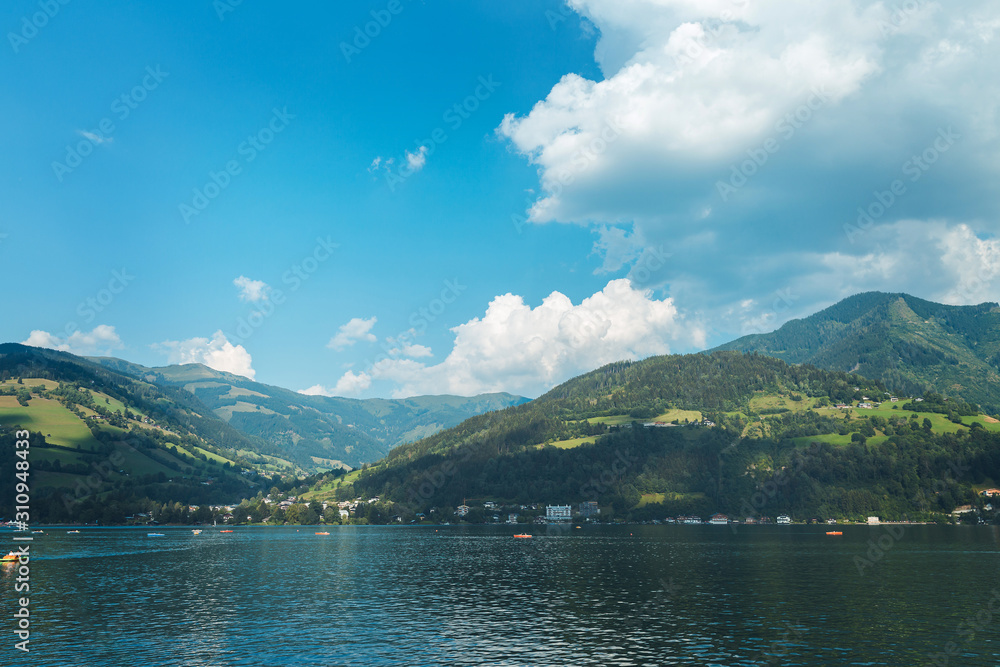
x=350 y=384
x=412 y=350
x=217 y=353
x=356 y=329
x=688 y=85
x=847 y=92
x=525 y=350
x=417 y=159
x=98 y=342
x=251 y=290
x=95 y=139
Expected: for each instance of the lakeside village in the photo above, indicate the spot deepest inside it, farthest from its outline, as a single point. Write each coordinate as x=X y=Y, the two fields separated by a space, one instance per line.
x=282 y=509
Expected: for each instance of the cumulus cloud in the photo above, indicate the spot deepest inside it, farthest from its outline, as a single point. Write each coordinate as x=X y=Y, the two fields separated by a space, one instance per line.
x=350 y=384
x=417 y=159
x=520 y=349
x=251 y=291
x=355 y=330
x=100 y=341
x=803 y=112
x=216 y=352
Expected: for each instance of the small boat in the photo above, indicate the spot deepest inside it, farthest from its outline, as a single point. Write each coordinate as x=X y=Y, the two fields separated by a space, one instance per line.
x=38 y=532
x=322 y=533
x=834 y=532
x=9 y=558
x=523 y=535
x=196 y=532
x=225 y=531
x=72 y=532
x=155 y=535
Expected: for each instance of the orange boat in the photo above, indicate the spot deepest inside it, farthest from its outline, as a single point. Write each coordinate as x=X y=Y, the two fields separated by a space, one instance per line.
x=225 y=531
x=834 y=532
x=9 y=558
x=322 y=533
x=522 y=535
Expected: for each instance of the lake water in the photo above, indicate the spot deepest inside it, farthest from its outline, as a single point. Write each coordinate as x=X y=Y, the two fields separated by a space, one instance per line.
x=455 y=595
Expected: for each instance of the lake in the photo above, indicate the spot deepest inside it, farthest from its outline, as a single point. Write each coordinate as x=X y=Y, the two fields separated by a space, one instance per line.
x=475 y=595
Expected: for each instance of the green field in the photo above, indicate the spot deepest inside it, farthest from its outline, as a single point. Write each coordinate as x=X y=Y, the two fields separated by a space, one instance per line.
x=680 y=415
x=656 y=498
x=570 y=443
x=52 y=419
x=612 y=420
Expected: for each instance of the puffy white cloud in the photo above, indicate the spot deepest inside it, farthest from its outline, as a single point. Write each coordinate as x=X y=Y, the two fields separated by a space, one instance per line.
x=803 y=110
x=412 y=350
x=350 y=384
x=520 y=349
x=217 y=353
x=251 y=290
x=349 y=334
x=100 y=341
x=417 y=159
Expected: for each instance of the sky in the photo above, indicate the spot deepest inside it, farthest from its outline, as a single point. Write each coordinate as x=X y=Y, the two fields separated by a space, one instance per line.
x=400 y=197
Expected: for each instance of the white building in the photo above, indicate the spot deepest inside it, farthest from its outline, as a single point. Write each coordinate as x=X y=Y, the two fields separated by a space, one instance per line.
x=873 y=521
x=559 y=512
x=784 y=519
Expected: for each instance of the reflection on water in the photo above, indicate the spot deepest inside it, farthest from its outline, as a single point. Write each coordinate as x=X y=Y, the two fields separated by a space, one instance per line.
x=625 y=595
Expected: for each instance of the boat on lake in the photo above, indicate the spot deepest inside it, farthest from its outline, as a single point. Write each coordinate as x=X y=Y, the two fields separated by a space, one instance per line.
x=196 y=532
x=155 y=535
x=72 y=532
x=9 y=558
x=225 y=531
x=322 y=533
x=834 y=532
x=525 y=535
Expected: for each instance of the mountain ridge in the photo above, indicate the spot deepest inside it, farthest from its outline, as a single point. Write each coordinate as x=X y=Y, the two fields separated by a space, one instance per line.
x=911 y=344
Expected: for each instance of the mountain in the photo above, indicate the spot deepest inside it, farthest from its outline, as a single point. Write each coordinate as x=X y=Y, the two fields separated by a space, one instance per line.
x=727 y=431
x=910 y=344
x=103 y=443
x=317 y=432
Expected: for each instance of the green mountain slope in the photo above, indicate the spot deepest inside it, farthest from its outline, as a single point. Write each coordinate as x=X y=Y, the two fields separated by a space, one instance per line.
x=317 y=432
x=102 y=441
x=910 y=344
x=774 y=442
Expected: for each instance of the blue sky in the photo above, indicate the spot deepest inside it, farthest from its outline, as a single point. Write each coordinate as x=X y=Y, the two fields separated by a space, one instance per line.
x=480 y=196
